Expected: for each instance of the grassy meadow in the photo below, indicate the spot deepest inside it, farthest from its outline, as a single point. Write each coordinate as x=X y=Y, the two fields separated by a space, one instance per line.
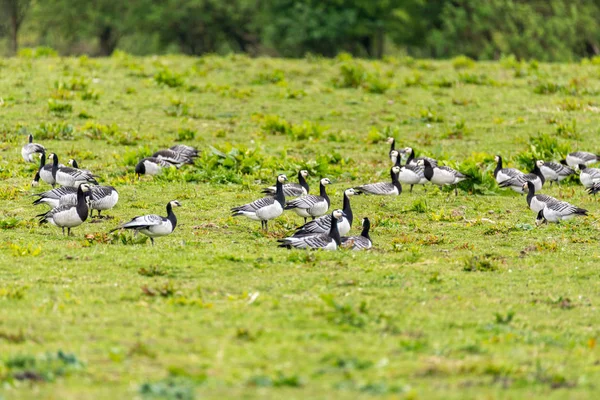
x=461 y=297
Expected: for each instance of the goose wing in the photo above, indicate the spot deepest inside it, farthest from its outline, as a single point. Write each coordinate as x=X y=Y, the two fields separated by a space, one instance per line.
x=319 y=225
x=77 y=174
x=565 y=209
x=356 y=242
x=289 y=190
x=143 y=221
x=305 y=202
x=308 y=241
x=34 y=148
x=100 y=192
x=451 y=172
x=380 y=188
x=255 y=205
x=57 y=193
x=584 y=155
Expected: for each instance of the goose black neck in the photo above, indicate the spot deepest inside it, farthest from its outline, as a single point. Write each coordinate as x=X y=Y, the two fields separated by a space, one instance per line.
x=82 y=207
x=54 y=165
x=75 y=165
x=171 y=216
x=279 y=196
x=411 y=156
x=498 y=166
x=531 y=192
x=428 y=171
x=30 y=138
x=323 y=193
x=347 y=209
x=334 y=233
x=365 y=230
x=399 y=161
x=302 y=182
x=393 y=145
x=538 y=172
x=582 y=167
x=42 y=161
x=395 y=181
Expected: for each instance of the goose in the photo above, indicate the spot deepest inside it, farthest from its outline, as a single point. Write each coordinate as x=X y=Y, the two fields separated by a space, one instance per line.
x=326 y=241
x=73 y=164
x=556 y=172
x=441 y=176
x=537 y=202
x=581 y=157
x=29 y=150
x=150 y=166
x=392 y=142
x=411 y=174
x=311 y=205
x=153 y=225
x=359 y=242
x=292 y=189
x=395 y=157
x=68 y=215
x=323 y=223
x=67 y=176
x=412 y=160
x=45 y=172
x=56 y=197
x=102 y=198
x=559 y=211
x=393 y=188
x=588 y=176
x=504 y=174
x=535 y=176
x=264 y=209
x=595 y=188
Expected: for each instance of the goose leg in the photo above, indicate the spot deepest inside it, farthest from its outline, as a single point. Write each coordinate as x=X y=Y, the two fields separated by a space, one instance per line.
x=63 y=231
x=152 y=241
x=305 y=220
x=68 y=231
x=411 y=186
x=267 y=226
x=455 y=190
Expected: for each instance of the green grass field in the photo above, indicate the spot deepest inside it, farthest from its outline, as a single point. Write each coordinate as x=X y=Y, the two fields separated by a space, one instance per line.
x=461 y=297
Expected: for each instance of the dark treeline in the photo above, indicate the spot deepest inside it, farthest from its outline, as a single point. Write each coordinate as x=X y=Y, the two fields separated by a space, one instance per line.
x=547 y=30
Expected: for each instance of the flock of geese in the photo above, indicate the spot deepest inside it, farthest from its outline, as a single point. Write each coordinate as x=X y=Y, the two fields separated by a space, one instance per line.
x=79 y=194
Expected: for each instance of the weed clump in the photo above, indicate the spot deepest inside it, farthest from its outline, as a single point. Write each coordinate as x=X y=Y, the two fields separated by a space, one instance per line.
x=479 y=264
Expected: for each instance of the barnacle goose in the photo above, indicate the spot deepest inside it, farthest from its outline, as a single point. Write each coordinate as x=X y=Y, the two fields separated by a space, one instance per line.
x=392 y=188
x=73 y=164
x=595 y=188
x=323 y=223
x=68 y=215
x=535 y=176
x=362 y=242
x=188 y=151
x=392 y=142
x=411 y=174
x=581 y=157
x=326 y=241
x=292 y=189
x=102 y=198
x=266 y=208
x=151 y=166
x=29 y=150
x=555 y=172
x=153 y=225
x=412 y=160
x=441 y=176
x=311 y=205
x=67 y=176
x=45 y=172
x=537 y=202
x=56 y=197
x=504 y=174
x=588 y=176
x=559 y=211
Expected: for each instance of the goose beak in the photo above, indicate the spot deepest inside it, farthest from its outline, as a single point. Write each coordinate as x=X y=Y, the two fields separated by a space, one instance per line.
x=34 y=183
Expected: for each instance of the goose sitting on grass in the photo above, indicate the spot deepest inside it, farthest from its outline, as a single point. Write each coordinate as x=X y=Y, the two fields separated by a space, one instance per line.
x=326 y=241
x=362 y=242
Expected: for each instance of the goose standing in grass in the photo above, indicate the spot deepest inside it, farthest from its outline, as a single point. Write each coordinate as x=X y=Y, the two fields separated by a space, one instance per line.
x=411 y=174
x=67 y=176
x=311 y=205
x=29 y=151
x=537 y=202
x=442 y=176
x=504 y=174
x=556 y=172
x=68 y=215
x=535 y=176
x=326 y=241
x=559 y=211
x=412 y=160
x=323 y=223
x=292 y=189
x=393 y=188
x=588 y=176
x=153 y=225
x=151 y=166
x=102 y=198
x=55 y=197
x=45 y=173
x=362 y=242
x=392 y=142
x=264 y=209
x=581 y=157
